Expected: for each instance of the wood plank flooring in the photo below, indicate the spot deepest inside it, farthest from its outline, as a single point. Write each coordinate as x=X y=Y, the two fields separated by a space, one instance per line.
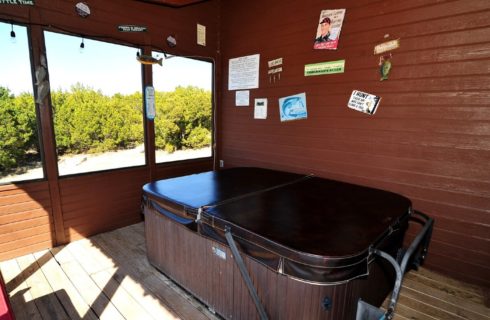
x=108 y=277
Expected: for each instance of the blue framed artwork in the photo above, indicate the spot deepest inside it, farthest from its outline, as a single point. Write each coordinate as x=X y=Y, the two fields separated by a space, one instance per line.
x=293 y=107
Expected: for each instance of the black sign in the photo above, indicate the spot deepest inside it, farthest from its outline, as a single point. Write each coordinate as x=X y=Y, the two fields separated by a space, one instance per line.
x=18 y=2
x=131 y=28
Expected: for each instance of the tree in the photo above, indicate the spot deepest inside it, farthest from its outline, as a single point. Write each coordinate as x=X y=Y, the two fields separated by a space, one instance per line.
x=183 y=119
x=18 y=134
x=85 y=120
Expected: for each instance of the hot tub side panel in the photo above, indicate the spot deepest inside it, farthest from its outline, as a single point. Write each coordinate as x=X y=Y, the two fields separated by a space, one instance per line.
x=191 y=260
x=188 y=259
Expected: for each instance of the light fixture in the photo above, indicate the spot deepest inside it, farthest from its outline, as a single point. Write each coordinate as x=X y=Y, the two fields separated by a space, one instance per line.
x=82 y=45
x=13 y=39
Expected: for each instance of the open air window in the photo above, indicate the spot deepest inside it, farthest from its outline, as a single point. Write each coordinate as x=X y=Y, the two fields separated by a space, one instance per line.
x=183 y=101
x=20 y=152
x=97 y=104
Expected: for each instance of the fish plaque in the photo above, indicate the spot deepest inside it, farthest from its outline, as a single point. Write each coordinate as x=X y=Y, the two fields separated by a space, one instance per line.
x=293 y=107
x=131 y=28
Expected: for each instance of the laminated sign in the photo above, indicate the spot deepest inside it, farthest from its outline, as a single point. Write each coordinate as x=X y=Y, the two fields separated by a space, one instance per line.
x=364 y=102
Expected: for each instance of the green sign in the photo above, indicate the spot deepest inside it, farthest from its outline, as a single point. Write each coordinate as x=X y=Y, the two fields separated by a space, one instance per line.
x=330 y=67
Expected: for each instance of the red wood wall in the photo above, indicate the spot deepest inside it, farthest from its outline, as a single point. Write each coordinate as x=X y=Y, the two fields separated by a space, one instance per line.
x=26 y=222
x=429 y=139
x=38 y=215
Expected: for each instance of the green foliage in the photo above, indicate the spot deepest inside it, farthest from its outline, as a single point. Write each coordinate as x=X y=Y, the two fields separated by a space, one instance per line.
x=18 y=132
x=183 y=119
x=198 y=137
x=85 y=120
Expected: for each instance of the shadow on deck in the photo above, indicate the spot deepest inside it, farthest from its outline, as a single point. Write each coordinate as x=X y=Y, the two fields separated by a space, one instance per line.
x=109 y=277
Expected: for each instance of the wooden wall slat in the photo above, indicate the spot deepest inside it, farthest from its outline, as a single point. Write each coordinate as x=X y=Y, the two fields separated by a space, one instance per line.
x=25 y=215
x=26 y=250
x=429 y=139
x=12 y=227
x=5 y=239
x=43 y=197
x=25 y=218
x=192 y=166
x=101 y=201
x=78 y=204
x=113 y=211
x=86 y=230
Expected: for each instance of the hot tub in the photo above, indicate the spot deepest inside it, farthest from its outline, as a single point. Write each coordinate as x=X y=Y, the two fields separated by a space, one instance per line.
x=306 y=244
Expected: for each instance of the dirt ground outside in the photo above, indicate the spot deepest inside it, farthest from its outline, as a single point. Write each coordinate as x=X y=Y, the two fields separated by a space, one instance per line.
x=81 y=163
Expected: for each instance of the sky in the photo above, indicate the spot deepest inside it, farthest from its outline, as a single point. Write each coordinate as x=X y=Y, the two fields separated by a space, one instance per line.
x=100 y=65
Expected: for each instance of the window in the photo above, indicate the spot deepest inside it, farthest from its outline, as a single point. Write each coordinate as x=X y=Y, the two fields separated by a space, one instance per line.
x=97 y=104
x=20 y=154
x=183 y=100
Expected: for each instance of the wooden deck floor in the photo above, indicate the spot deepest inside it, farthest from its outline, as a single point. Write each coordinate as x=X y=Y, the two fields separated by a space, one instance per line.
x=108 y=277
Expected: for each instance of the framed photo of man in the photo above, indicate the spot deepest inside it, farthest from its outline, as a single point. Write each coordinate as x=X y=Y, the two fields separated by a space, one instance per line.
x=328 y=29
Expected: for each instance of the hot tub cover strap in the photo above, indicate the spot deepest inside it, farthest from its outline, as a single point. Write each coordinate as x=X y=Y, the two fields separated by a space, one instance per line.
x=245 y=275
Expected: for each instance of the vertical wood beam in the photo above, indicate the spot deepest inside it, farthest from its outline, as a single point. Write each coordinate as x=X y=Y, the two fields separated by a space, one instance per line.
x=149 y=124
x=216 y=92
x=47 y=137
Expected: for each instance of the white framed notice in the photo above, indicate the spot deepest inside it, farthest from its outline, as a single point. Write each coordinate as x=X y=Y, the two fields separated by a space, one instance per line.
x=242 y=98
x=243 y=72
x=260 y=111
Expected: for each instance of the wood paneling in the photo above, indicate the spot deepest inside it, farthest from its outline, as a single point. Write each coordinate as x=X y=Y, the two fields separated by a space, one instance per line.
x=25 y=219
x=111 y=199
x=174 y=3
x=429 y=139
x=189 y=167
x=177 y=250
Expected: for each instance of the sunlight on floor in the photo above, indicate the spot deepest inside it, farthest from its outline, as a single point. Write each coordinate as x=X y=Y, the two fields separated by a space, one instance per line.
x=106 y=277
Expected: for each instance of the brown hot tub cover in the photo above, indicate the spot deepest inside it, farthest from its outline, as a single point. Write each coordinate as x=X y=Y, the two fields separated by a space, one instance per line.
x=309 y=228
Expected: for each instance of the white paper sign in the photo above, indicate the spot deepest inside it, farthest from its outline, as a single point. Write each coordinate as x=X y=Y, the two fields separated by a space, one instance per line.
x=387 y=46
x=201 y=35
x=242 y=98
x=260 y=111
x=364 y=102
x=274 y=63
x=275 y=70
x=243 y=72
x=150 y=102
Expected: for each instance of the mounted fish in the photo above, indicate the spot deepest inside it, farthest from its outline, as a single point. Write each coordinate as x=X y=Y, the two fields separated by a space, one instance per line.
x=384 y=66
x=385 y=59
x=145 y=59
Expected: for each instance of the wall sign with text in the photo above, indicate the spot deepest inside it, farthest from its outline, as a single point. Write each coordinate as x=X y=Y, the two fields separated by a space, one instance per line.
x=364 y=102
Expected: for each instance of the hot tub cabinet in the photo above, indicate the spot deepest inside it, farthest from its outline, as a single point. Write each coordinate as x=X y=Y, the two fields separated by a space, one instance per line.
x=306 y=243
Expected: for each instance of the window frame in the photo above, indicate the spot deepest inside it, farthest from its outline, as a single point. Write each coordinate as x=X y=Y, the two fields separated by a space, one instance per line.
x=111 y=41
x=37 y=111
x=212 y=146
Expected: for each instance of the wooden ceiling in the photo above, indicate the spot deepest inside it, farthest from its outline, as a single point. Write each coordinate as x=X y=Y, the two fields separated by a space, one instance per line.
x=174 y=3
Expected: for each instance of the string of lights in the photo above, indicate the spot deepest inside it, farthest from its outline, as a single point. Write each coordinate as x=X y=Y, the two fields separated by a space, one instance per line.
x=108 y=38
